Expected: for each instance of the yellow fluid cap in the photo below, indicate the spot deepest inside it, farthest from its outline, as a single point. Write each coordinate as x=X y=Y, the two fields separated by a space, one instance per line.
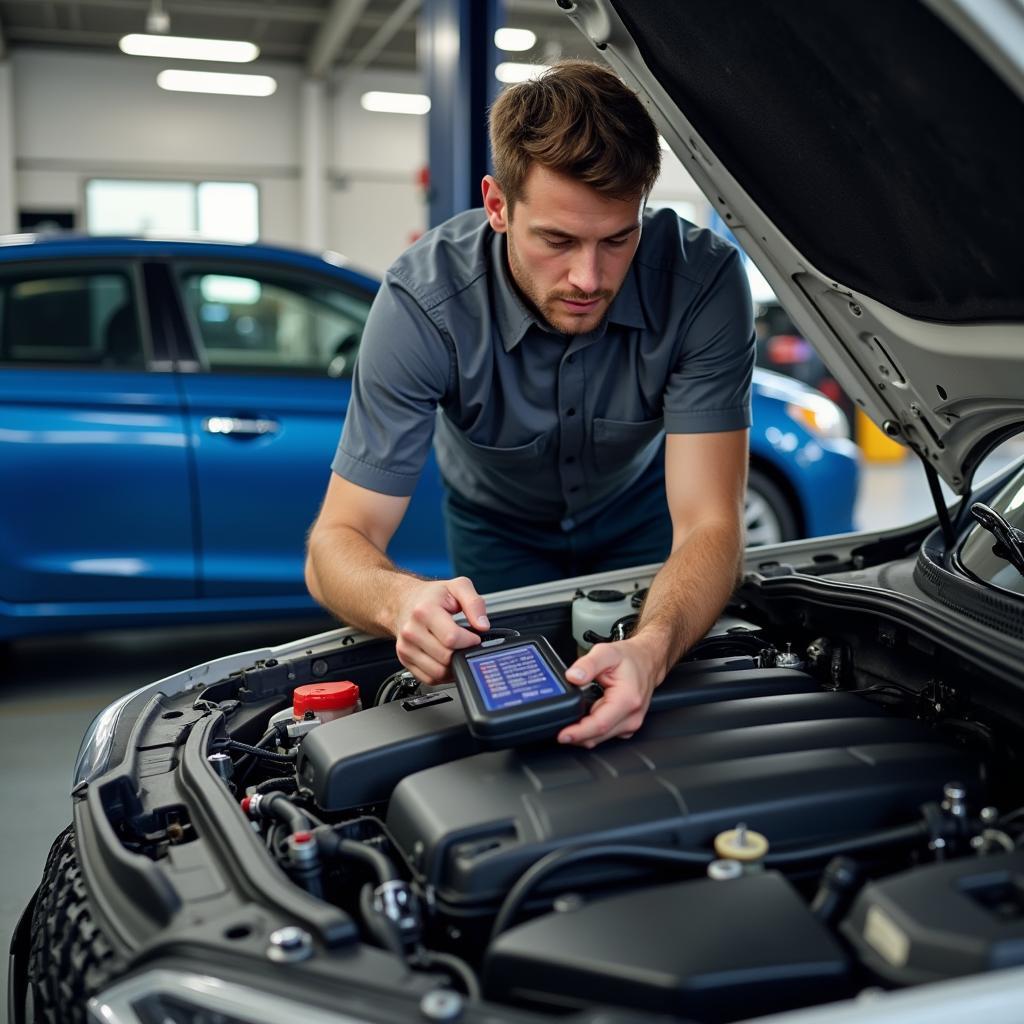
x=742 y=844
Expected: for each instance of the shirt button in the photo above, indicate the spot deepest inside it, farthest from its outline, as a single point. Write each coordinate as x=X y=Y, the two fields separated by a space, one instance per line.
x=570 y=411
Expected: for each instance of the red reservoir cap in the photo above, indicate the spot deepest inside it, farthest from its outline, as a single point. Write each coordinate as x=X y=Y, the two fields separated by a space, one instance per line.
x=324 y=697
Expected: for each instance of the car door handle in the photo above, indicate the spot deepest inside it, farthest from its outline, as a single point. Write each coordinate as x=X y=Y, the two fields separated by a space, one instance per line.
x=240 y=426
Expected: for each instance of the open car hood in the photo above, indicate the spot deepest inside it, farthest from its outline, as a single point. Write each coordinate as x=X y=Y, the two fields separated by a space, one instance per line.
x=869 y=158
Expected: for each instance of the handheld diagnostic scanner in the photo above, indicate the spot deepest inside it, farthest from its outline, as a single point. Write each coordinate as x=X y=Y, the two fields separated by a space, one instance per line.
x=514 y=691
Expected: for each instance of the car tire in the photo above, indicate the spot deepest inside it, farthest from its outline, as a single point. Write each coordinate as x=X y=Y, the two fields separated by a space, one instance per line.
x=69 y=960
x=768 y=516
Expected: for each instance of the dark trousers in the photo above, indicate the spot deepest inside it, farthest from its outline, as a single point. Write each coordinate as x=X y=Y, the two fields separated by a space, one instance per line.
x=498 y=552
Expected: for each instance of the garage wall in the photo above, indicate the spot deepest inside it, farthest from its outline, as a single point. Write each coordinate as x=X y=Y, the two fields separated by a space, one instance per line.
x=83 y=115
x=78 y=116
x=377 y=205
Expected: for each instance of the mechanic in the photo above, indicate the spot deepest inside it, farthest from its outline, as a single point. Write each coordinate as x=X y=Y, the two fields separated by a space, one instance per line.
x=584 y=370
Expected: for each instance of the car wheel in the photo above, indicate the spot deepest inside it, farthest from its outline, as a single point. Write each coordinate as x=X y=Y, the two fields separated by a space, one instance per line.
x=70 y=959
x=768 y=517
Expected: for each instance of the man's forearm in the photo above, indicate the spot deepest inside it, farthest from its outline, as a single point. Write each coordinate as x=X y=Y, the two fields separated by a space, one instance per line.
x=355 y=581
x=689 y=592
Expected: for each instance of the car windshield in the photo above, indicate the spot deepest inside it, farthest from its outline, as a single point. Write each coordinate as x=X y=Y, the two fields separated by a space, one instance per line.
x=978 y=555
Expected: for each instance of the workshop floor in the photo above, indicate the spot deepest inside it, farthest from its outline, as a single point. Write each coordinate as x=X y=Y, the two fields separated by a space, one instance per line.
x=50 y=689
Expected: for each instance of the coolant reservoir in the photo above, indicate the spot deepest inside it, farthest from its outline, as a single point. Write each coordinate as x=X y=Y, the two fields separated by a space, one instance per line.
x=598 y=610
x=326 y=700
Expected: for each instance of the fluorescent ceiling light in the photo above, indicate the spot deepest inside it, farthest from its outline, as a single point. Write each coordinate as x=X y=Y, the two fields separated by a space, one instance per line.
x=510 y=73
x=217 y=82
x=233 y=51
x=395 y=102
x=514 y=38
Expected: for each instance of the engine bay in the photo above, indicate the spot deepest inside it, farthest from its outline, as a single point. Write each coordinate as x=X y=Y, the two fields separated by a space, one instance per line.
x=796 y=821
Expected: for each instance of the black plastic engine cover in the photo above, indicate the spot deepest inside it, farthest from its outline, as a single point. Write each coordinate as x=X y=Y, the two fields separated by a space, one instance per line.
x=942 y=921
x=709 y=951
x=801 y=768
x=359 y=759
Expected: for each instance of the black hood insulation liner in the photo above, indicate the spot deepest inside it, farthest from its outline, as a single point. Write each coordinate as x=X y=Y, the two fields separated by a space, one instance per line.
x=877 y=141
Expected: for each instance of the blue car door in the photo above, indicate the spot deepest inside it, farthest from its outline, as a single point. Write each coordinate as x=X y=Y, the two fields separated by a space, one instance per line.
x=266 y=393
x=94 y=477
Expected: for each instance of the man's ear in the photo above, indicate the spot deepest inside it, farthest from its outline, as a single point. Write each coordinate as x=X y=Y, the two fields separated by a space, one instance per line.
x=495 y=204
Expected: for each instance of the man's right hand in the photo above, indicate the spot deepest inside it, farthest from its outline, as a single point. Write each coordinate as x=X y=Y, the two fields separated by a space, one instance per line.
x=426 y=633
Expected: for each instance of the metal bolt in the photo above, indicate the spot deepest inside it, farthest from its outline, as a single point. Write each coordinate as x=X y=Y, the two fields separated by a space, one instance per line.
x=319 y=667
x=989 y=815
x=221 y=764
x=442 y=1004
x=724 y=870
x=955 y=794
x=741 y=834
x=855 y=309
x=892 y=428
x=289 y=945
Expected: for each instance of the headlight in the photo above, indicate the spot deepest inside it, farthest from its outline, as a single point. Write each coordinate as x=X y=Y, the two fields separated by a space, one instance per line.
x=820 y=415
x=94 y=753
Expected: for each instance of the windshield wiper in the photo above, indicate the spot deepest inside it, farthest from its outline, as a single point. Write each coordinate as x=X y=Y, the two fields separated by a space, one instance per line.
x=1009 y=540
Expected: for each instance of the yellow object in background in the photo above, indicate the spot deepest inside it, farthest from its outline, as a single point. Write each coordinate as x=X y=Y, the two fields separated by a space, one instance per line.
x=874 y=443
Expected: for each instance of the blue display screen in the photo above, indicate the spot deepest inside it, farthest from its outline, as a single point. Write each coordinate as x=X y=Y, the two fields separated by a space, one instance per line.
x=513 y=677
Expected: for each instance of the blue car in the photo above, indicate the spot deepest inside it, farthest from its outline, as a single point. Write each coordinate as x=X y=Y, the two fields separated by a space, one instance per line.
x=168 y=411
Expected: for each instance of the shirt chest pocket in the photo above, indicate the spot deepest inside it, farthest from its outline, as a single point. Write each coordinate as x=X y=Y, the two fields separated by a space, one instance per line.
x=501 y=458
x=619 y=442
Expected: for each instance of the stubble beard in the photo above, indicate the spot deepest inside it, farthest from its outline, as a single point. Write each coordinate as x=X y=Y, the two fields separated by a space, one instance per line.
x=546 y=305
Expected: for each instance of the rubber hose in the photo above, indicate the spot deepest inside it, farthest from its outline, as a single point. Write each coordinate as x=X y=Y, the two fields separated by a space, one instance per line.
x=553 y=862
x=887 y=837
x=266 y=755
x=277 y=805
x=245 y=763
x=456 y=966
x=285 y=784
x=332 y=845
x=379 y=926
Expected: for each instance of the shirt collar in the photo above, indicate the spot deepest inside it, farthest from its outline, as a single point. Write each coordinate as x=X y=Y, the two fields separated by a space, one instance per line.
x=626 y=308
x=515 y=319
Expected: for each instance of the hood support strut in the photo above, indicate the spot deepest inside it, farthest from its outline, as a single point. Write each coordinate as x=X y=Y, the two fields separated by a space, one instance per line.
x=940 y=504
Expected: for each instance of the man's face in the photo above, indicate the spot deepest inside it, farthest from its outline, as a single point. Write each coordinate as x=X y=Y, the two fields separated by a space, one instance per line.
x=569 y=247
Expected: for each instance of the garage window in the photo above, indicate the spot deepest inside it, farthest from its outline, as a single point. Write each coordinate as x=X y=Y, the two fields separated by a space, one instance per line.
x=76 y=318
x=226 y=211
x=247 y=322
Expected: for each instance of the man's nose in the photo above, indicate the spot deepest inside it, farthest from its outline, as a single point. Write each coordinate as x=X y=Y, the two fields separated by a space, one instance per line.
x=585 y=272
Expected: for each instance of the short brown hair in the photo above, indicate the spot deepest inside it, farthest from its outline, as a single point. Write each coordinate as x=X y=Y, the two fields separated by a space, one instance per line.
x=577 y=118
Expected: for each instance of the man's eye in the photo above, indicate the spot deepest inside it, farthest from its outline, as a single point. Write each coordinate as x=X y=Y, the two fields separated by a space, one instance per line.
x=616 y=243
x=564 y=244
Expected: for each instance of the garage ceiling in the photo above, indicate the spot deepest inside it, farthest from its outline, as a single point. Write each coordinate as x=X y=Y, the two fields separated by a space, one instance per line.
x=318 y=33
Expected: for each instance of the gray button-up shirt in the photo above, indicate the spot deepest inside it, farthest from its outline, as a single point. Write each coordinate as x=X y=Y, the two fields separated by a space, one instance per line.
x=529 y=421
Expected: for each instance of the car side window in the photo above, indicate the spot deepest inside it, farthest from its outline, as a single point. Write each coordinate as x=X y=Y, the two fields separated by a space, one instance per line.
x=250 y=322
x=81 y=318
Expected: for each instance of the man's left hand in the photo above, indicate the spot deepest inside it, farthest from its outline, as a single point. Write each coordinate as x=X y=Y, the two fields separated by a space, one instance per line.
x=628 y=673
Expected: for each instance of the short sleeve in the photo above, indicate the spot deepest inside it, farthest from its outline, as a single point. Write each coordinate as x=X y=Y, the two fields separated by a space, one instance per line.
x=402 y=372
x=709 y=388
